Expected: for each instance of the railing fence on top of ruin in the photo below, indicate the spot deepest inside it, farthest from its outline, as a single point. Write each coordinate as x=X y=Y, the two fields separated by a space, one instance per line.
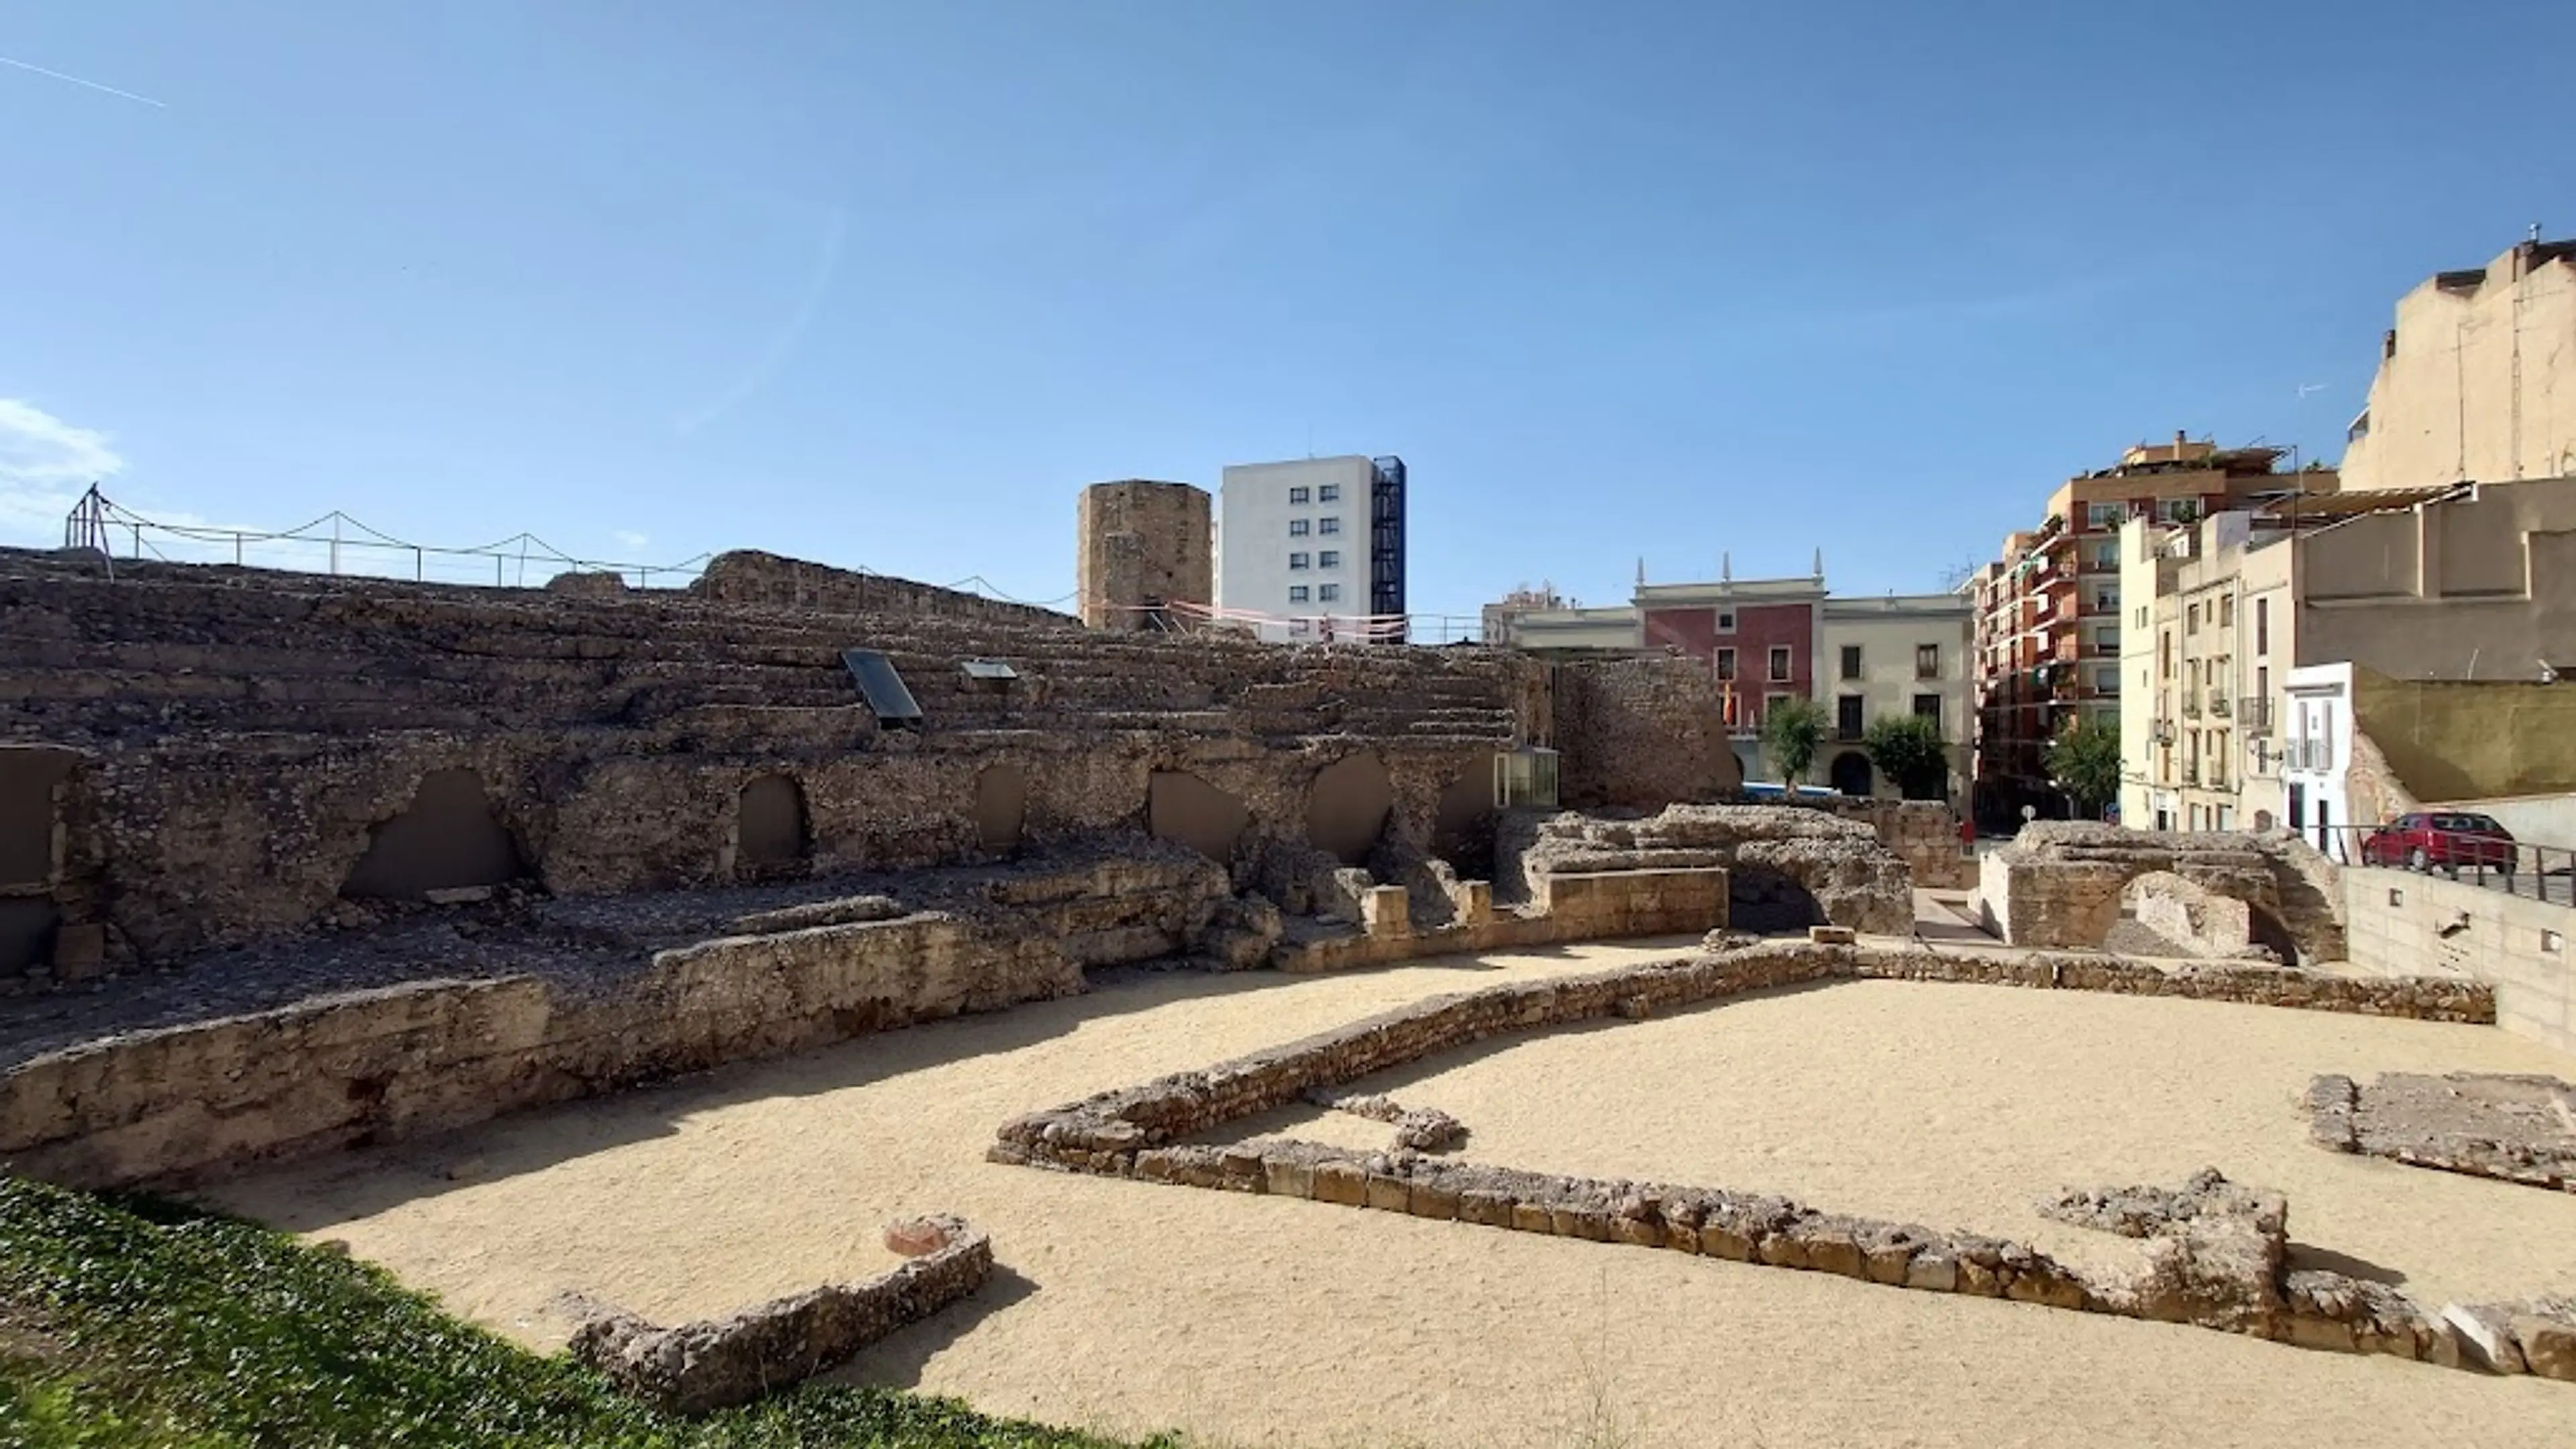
x=1181 y=616
x=338 y=544
x=2515 y=867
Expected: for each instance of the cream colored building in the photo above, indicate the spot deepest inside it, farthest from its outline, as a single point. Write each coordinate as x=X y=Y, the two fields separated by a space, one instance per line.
x=1901 y=654
x=2477 y=381
x=2464 y=583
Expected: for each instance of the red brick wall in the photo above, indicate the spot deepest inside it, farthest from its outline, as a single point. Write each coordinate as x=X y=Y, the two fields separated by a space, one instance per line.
x=1757 y=628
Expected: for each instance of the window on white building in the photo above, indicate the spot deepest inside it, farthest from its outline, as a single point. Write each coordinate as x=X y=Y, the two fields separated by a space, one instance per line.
x=1329 y=493
x=1329 y=592
x=1330 y=558
x=1296 y=560
x=1296 y=528
x=1329 y=525
x=1296 y=495
x=1296 y=593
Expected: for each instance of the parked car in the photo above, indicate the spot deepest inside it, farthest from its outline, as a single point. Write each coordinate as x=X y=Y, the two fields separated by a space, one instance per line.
x=2430 y=838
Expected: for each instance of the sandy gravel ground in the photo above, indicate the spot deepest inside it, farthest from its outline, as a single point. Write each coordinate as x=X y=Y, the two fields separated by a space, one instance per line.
x=1131 y=1307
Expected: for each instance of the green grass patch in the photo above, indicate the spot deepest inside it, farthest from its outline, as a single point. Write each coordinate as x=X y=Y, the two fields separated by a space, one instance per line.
x=137 y=1324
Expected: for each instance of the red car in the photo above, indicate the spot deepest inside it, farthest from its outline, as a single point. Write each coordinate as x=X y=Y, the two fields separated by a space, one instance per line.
x=2420 y=842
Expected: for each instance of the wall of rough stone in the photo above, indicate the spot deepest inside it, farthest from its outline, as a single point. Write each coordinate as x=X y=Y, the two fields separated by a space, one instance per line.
x=401 y=1061
x=717 y=1363
x=749 y=576
x=2060 y=883
x=1923 y=833
x=1787 y=868
x=2403 y=923
x=1640 y=734
x=2217 y=1255
x=252 y=734
x=1607 y=906
x=1139 y=546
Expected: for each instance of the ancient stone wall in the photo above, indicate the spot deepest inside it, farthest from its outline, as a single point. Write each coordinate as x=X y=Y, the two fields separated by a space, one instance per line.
x=257 y=737
x=1923 y=833
x=748 y=576
x=1640 y=734
x=1140 y=546
x=2182 y=912
x=2061 y=883
x=1605 y=906
x=1787 y=868
x=717 y=1363
x=401 y=1060
x=2217 y=1254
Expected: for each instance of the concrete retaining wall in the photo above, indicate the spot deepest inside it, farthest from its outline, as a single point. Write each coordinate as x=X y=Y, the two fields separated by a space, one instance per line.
x=2402 y=923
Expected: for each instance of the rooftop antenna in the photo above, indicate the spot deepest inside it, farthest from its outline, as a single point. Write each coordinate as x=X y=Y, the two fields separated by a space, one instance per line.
x=1820 y=563
x=1726 y=567
x=2535 y=233
x=1641 y=571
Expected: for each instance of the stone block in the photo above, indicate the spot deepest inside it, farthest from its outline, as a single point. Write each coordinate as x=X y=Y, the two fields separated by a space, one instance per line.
x=2486 y=1336
x=1341 y=1182
x=1389 y=1194
x=1287 y=1176
x=1532 y=1217
x=1432 y=1200
x=1832 y=935
x=2548 y=1345
x=1475 y=902
x=1933 y=1272
x=1386 y=912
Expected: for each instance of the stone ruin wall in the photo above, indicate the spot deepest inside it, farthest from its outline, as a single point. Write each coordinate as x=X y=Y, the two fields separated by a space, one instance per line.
x=2217 y=1255
x=220 y=749
x=1787 y=867
x=2066 y=883
x=770 y=581
x=1139 y=545
x=1640 y=734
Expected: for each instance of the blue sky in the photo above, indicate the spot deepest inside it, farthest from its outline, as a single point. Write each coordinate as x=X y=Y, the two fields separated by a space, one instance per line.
x=885 y=284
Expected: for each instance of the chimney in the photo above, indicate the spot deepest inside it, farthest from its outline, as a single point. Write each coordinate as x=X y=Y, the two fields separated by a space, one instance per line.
x=2179 y=438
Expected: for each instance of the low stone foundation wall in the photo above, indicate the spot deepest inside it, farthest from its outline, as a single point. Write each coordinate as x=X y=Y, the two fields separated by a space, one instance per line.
x=716 y=1363
x=2219 y=1259
x=407 y=1060
x=1586 y=906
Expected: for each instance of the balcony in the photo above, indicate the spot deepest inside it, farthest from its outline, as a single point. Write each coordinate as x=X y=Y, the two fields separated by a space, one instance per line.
x=2254 y=713
x=2307 y=754
x=2102 y=649
x=2191 y=704
x=2218 y=705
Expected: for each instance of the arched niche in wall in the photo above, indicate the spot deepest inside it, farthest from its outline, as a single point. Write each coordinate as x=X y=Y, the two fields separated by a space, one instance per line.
x=29 y=776
x=1347 y=808
x=1465 y=813
x=769 y=825
x=1001 y=808
x=1181 y=806
x=447 y=839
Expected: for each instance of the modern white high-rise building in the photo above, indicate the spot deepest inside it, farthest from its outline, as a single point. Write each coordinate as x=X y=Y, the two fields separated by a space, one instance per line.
x=1314 y=547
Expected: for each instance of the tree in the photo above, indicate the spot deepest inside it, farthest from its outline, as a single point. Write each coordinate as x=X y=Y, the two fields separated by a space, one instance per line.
x=1907 y=749
x=2084 y=759
x=1791 y=731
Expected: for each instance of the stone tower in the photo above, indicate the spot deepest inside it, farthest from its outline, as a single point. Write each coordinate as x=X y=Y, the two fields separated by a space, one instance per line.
x=1140 y=546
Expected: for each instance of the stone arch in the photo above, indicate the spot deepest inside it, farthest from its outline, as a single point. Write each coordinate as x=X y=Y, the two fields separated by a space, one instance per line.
x=770 y=833
x=448 y=838
x=1348 y=806
x=1768 y=902
x=1180 y=806
x=1851 y=775
x=1001 y=807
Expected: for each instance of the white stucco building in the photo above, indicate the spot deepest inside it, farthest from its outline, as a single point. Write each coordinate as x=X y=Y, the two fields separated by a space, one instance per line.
x=1313 y=547
x=2316 y=749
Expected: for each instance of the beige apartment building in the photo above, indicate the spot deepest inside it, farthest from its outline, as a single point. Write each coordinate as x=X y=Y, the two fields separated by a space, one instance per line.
x=2477 y=381
x=2050 y=617
x=1897 y=655
x=2470 y=582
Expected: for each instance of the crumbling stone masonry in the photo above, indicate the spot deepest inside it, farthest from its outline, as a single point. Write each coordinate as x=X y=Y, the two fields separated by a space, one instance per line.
x=2518 y=1129
x=717 y=1363
x=1140 y=547
x=1787 y=868
x=2217 y=1258
x=2062 y=883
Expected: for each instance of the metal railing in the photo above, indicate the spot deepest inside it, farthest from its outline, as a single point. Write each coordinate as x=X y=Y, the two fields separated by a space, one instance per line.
x=2254 y=712
x=2305 y=753
x=2518 y=868
x=2218 y=705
